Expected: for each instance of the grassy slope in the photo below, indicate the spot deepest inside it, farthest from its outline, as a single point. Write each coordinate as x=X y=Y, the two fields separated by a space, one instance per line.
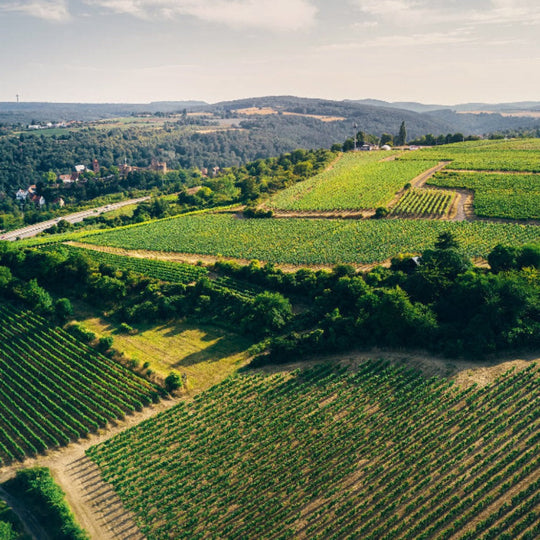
x=205 y=354
x=309 y=241
x=376 y=452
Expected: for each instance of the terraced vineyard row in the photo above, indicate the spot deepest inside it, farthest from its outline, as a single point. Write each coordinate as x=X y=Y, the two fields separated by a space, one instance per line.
x=423 y=203
x=357 y=181
x=515 y=196
x=327 y=453
x=154 y=268
x=54 y=389
x=310 y=241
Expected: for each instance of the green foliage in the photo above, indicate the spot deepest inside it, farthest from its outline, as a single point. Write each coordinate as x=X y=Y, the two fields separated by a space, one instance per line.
x=105 y=343
x=173 y=382
x=270 y=312
x=514 y=257
x=47 y=503
x=382 y=450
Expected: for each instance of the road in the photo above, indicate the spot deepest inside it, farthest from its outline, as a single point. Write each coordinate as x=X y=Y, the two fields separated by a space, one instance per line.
x=36 y=228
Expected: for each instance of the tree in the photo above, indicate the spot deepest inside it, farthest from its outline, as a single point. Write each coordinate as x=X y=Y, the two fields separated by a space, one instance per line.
x=268 y=313
x=446 y=240
x=386 y=138
x=63 y=309
x=402 y=136
x=503 y=258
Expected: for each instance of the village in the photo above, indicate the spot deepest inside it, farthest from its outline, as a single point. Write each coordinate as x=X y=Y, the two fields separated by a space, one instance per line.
x=32 y=194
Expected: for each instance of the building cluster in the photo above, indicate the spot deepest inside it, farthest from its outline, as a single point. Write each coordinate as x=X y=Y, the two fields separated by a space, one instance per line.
x=29 y=194
x=213 y=172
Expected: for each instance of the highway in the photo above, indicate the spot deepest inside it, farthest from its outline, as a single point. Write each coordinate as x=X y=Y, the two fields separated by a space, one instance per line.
x=36 y=228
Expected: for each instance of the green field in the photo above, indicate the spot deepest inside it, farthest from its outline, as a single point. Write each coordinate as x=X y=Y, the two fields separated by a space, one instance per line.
x=327 y=453
x=515 y=196
x=309 y=241
x=498 y=155
x=54 y=389
x=358 y=180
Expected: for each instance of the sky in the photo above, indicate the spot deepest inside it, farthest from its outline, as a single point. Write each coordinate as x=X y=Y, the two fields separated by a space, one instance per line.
x=138 y=51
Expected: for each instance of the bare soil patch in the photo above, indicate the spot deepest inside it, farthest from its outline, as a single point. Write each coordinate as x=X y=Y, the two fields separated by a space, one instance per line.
x=465 y=373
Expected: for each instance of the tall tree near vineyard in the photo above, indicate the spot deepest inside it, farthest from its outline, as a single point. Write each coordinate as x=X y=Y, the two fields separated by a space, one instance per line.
x=402 y=136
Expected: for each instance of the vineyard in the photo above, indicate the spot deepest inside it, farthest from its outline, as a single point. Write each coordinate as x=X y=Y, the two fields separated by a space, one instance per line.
x=515 y=196
x=310 y=241
x=423 y=203
x=499 y=155
x=54 y=389
x=357 y=181
x=329 y=452
x=154 y=268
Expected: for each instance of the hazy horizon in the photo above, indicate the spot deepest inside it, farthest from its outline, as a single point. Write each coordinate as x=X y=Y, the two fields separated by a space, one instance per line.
x=140 y=51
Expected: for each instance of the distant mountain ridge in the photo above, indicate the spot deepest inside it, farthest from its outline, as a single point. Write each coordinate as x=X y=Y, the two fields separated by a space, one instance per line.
x=370 y=115
x=517 y=106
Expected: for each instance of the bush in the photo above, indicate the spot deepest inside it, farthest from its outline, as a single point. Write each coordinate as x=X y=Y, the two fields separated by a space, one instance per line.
x=125 y=328
x=81 y=333
x=104 y=344
x=380 y=212
x=173 y=382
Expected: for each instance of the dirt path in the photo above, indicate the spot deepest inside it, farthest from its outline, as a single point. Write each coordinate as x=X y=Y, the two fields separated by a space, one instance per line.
x=96 y=507
x=473 y=171
x=207 y=260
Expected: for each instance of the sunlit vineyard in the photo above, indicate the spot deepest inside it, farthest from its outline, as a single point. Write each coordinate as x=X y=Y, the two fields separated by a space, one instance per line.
x=514 y=196
x=54 y=389
x=500 y=155
x=423 y=203
x=310 y=241
x=326 y=453
x=357 y=181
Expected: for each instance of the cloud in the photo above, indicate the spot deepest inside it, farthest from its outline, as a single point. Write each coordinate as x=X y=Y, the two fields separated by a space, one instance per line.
x=51 y=10
x=407 y=40
x=406 y=12
x=280 y=15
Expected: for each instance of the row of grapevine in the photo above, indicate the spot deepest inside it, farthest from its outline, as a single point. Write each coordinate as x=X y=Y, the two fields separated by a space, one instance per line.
x=423 y=203
x=311 y=241
x=54 y=389
x=378 y=452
